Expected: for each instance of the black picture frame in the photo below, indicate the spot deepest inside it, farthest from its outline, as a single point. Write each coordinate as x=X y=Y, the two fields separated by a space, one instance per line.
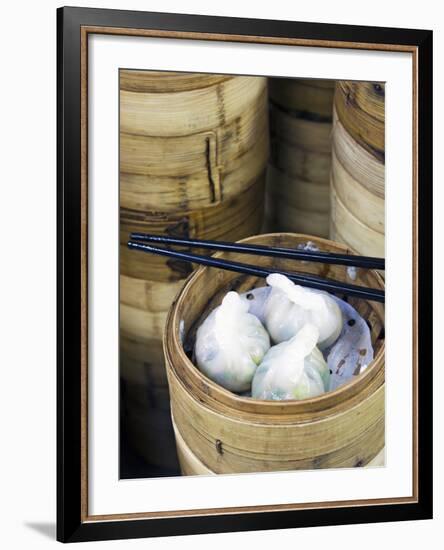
x=71 y=523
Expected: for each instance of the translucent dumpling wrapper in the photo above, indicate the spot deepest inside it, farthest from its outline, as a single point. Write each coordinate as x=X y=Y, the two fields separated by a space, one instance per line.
x=352 y=352
x=289 y=307
x=230 y=344
x=294 y=369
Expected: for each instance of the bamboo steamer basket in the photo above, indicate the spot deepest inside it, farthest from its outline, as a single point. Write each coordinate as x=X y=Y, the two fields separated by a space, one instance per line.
x=232 y=434
x=190 y=465
x=299 y=174
x=197 y=146
x=193 y=154
x=360 y=107
x=358 y=172
x=195 y=171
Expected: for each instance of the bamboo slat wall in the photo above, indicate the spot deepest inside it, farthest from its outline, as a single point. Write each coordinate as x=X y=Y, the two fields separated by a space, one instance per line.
x=358 y=166
x=298 y=177
x=190 y=465
x=193 y=155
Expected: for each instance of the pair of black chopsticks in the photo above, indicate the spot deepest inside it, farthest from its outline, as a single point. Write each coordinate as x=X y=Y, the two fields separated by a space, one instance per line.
x=140 y=241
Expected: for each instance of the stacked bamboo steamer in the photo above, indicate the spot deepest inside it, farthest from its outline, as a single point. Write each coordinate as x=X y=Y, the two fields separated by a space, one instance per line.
x=298 y=176
x=358 y=167
x=220 y=432
x=193 y=154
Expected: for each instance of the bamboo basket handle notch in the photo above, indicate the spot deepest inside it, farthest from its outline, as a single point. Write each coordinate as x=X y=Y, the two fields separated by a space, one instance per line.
x=213 y=167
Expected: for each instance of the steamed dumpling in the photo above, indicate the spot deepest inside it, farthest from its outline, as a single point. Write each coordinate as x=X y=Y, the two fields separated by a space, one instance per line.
x=230 y=344
x=292 y=370
x=289 y=307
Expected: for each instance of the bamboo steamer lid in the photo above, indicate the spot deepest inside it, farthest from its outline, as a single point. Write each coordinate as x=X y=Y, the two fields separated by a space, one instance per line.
x=314 y=97
x=357 y=111
x=233 y=434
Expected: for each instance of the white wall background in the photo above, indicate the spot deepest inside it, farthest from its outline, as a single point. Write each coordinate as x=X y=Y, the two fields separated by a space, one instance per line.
x=27 y=278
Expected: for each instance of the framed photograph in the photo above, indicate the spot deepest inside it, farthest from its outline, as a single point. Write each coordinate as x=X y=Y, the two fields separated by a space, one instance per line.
x=282 y=381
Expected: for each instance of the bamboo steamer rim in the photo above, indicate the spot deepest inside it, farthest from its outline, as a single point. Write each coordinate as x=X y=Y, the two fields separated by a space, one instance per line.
x=367 y=130
x=173 y=114
x=368 y=96
x=205 y=389
x=136 y=80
